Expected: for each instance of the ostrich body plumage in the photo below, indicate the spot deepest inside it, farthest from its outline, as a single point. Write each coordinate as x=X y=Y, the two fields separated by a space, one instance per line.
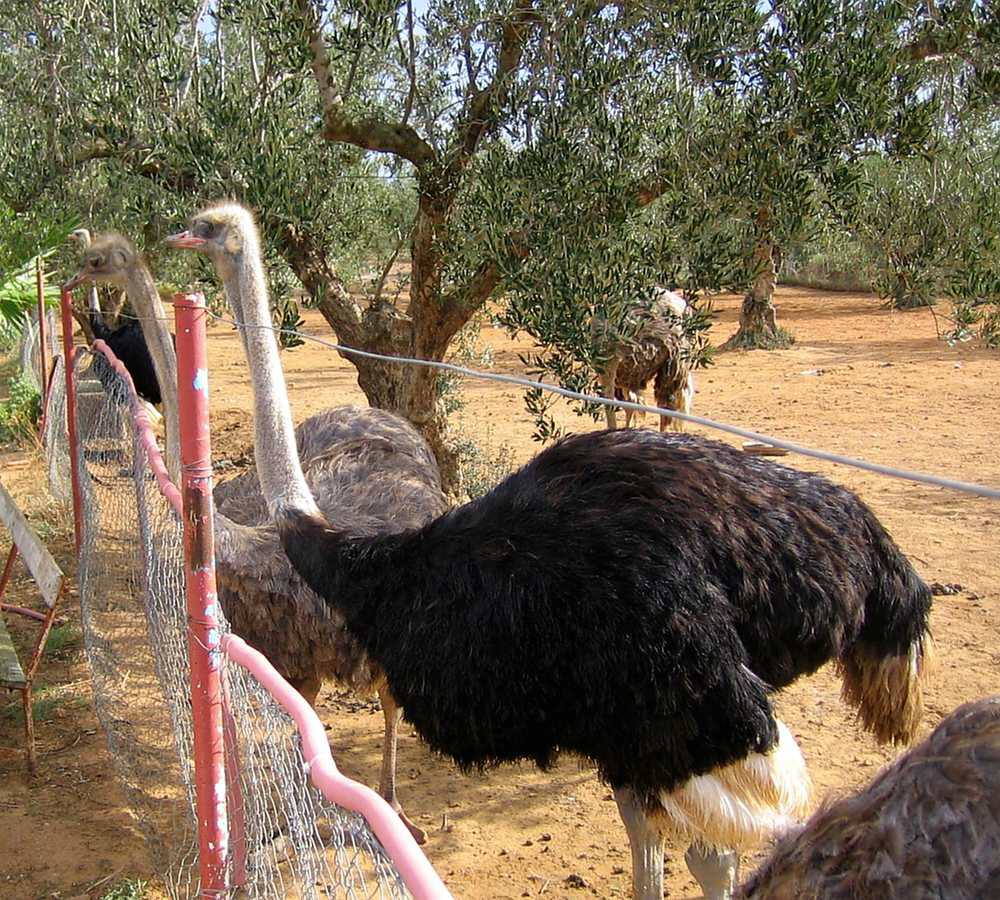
x=365 y=466
x=926 y=828
x=129 y=345
x=658 y=352
x=627 y=596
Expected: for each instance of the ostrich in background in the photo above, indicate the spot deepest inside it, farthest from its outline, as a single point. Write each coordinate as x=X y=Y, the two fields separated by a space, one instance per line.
x=659 y=350
x=516 y=626
x=127 y=341
x=372 y=466
x=81 y=237
x=927 y=827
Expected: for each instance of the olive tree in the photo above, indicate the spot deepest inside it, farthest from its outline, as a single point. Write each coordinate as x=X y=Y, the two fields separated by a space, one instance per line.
x=363 y=130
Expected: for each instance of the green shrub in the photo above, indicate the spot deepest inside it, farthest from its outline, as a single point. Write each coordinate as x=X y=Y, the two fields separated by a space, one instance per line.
x=482 y=465
x=130 y=889
x=20 y=412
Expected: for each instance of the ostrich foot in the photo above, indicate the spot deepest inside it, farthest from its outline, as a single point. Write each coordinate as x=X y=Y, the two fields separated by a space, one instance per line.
x=715 y=870
x=419 y=835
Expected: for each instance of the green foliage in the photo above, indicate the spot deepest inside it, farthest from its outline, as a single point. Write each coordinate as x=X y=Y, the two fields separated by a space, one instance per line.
x=466 y=350
x=23 y=240
x=129 y=889
x=62 y=638
x=286 y=318
x=227 y=110
x=832 y=259
x=20 y=411
x=483 y=466
x=45 y=703
x=571 y=159
x=930 y=228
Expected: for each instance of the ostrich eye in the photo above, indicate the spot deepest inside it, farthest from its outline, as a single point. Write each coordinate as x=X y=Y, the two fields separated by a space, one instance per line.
x=95 y=261
x=204 y=229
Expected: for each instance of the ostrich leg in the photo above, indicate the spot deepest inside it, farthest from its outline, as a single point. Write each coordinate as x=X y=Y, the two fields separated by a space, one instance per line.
x=646 y=841
x=387 y=782
x=715 y=870
x=308 y=687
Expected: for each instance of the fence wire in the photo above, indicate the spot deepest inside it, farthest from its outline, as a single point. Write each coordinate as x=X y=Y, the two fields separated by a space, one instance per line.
x=29 y=349
x=54 y=440
x=294 y=842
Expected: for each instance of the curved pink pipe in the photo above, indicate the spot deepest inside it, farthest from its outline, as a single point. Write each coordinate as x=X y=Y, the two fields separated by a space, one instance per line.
x=418 y=874
x=145 y=430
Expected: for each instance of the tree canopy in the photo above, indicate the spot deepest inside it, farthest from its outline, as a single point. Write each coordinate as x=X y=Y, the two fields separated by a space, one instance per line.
x=566 y=156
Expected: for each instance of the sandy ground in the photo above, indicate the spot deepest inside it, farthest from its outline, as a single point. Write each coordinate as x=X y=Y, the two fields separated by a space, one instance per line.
x=860 y=381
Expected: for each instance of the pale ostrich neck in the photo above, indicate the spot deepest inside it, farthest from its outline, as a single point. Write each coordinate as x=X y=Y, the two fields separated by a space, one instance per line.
x=141 y=290
x=278 y=468
x=94 y=305
x=230 y=538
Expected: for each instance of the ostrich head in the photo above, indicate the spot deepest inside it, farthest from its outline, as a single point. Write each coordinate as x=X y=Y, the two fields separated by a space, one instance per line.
x=80 y=236
x=225 y=232
x=107 y=258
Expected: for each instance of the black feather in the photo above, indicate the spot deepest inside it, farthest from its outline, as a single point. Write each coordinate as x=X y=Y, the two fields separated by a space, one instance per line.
x=624 y=596
x=129 y=344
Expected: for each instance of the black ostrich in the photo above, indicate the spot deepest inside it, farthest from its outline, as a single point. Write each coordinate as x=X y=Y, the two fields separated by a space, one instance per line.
x=127 y=342
x=627 y=596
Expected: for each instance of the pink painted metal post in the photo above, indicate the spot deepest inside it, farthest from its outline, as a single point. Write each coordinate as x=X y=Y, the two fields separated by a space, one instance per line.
x=66 y=302
x=202 y=600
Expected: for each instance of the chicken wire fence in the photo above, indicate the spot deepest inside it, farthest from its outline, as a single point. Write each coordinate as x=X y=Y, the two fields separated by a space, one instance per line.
x=29 y=350
x=286 y=839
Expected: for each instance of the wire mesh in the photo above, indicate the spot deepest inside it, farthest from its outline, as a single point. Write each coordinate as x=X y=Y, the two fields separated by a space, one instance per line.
x=286 y=839
x=30 y=346
x=55 y=440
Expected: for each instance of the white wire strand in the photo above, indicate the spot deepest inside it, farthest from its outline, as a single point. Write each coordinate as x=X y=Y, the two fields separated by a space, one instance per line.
x=964 y=487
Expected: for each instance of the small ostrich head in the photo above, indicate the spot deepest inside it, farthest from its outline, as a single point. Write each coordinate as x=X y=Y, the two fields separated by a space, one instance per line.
x=224 y=232
x=80 y=236
x=107 y=258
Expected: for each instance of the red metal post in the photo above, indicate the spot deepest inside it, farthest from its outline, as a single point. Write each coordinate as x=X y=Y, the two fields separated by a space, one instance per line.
x=8 y=568
x=66 y=303
x=202 y=600
x=43 y=341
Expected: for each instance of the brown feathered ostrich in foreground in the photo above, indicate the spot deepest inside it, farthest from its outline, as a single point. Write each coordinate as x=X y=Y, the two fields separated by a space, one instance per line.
x=928 y=827
x=629 y=596
x=659 y=351
x=365 y=464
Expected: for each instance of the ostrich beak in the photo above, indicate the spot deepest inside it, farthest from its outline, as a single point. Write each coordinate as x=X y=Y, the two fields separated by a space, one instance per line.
x=78 y=279
x=185 y=240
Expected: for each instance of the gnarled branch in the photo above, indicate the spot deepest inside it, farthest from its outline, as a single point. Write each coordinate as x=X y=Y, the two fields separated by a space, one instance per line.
x=484 y=108
x=396 y=138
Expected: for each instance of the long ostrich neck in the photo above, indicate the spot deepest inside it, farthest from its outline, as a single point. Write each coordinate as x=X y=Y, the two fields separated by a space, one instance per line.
x=94 y=305
x=231 y=540
x=281 y=479
x=146 y=302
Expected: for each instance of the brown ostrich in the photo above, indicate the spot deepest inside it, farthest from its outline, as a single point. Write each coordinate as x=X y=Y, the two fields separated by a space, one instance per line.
x=659 y=351
x=928 y=827
x=364 y=464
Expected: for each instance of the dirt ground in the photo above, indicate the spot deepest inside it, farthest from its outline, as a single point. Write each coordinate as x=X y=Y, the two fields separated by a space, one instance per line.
x=860 y=380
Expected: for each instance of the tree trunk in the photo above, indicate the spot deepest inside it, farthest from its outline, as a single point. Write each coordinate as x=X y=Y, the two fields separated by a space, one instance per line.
x=424 y=331
x=412 y=393
x=758 y=322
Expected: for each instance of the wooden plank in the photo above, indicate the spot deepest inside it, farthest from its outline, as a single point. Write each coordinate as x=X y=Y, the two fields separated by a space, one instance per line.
x=36 y=556
x=11 y=673
x=755 y=448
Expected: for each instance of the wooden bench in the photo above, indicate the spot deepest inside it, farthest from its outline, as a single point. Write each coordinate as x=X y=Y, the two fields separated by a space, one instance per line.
x=50 y=582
